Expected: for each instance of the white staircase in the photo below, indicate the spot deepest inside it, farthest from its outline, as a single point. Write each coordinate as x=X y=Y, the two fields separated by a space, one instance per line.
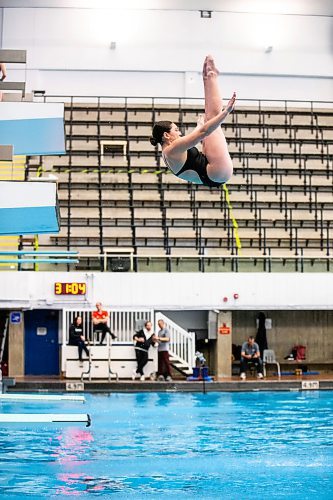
x=182 y=345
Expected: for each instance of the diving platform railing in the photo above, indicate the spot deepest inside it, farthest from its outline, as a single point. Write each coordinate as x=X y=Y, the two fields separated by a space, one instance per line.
x=38 y=257
x=171 y=263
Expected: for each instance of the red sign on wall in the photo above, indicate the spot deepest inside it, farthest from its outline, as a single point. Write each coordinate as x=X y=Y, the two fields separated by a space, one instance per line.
x=224 y=329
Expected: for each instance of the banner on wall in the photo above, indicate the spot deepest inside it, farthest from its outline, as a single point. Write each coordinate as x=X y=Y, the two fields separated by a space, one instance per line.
x=33 y=128
x=28 y=207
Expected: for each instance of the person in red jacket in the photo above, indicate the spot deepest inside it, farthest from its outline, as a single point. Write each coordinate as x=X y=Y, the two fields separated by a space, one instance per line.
x=100 y=320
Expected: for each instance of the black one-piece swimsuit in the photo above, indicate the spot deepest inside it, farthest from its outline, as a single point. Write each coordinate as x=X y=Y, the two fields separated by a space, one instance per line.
x=198 y=162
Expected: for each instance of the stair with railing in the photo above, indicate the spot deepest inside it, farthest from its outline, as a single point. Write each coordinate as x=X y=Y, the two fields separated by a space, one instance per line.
x=182 y=345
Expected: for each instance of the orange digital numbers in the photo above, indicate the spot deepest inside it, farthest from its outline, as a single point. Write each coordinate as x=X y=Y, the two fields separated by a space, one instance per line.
x=70 y=288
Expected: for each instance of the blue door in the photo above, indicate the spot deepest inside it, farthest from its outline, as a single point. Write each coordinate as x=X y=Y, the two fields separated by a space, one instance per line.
x=41 y=342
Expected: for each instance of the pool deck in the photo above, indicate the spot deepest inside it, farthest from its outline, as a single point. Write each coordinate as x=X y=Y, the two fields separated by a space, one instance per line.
x=233 y=384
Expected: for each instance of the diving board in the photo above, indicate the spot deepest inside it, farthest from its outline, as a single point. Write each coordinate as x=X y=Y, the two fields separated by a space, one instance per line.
x=12 y=86
x=10 y=418
x=28 y=207
x=41 y=397
x=33 y=128
x=13 y=56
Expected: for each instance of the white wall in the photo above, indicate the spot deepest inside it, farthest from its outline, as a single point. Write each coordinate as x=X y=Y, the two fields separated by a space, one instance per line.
x=172 y=290
x=160 y=52
x=189 y=320
x=1 y=23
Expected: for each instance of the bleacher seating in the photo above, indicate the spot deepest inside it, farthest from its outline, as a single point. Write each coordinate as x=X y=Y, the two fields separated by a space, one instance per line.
x=280 y=192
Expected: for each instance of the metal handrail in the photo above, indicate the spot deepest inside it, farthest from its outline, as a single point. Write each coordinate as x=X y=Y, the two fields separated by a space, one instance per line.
x=206 y=256
x=3 y=339
x=39 y=261
x=54 y=253
x=181 y=99
x=182 y=342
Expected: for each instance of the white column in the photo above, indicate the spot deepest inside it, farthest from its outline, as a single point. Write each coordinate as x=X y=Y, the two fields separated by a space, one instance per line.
x=223 y=345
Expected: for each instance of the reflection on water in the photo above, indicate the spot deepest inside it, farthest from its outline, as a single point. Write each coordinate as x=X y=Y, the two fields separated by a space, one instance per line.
x=177 y=444
x=73 y=445
x=76 y=484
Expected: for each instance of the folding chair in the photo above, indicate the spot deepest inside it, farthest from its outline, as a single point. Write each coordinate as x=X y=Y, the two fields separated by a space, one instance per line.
x=270 y=359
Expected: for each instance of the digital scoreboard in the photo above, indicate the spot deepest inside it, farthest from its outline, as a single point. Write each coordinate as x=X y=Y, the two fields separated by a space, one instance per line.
x=70 y=288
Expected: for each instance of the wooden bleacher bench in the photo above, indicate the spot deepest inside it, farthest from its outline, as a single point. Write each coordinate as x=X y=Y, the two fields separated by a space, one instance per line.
x=310 y=365
x=281 y=163
x=319 y=365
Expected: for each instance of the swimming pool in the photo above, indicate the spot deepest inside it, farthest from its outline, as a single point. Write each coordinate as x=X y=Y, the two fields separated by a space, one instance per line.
x=163 y=445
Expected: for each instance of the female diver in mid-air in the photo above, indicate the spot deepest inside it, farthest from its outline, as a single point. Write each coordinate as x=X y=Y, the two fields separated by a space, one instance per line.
x=212 y=167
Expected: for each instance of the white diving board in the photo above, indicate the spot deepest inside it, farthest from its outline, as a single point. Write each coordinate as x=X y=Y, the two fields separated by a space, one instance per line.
x=40 y=397
x=28 y=418
x=28 y=207
x=33 y=128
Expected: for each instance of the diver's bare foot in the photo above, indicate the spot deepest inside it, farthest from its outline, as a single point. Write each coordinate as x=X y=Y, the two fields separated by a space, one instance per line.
x=209 y=68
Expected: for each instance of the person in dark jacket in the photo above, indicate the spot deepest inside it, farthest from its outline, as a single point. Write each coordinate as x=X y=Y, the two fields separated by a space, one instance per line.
x=143 y=339
x=76 y=337
x=261 y=338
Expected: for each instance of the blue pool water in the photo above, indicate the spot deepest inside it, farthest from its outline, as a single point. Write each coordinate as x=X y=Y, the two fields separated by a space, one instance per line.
x=167 y=445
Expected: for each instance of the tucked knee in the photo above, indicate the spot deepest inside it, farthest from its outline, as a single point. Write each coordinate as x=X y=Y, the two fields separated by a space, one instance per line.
x=228 y=172
x=220 y=174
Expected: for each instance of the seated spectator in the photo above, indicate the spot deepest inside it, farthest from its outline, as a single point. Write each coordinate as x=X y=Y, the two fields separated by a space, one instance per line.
x=76 y=337
x=100 y=322
x=143 y=339
x=250 y=354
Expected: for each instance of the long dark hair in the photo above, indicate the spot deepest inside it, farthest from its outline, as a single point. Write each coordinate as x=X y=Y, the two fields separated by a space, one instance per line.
x=158 y=131
x=75 y=320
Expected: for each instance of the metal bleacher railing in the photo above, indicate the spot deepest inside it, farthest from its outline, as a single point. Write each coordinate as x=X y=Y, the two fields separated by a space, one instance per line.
x=280 y=192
